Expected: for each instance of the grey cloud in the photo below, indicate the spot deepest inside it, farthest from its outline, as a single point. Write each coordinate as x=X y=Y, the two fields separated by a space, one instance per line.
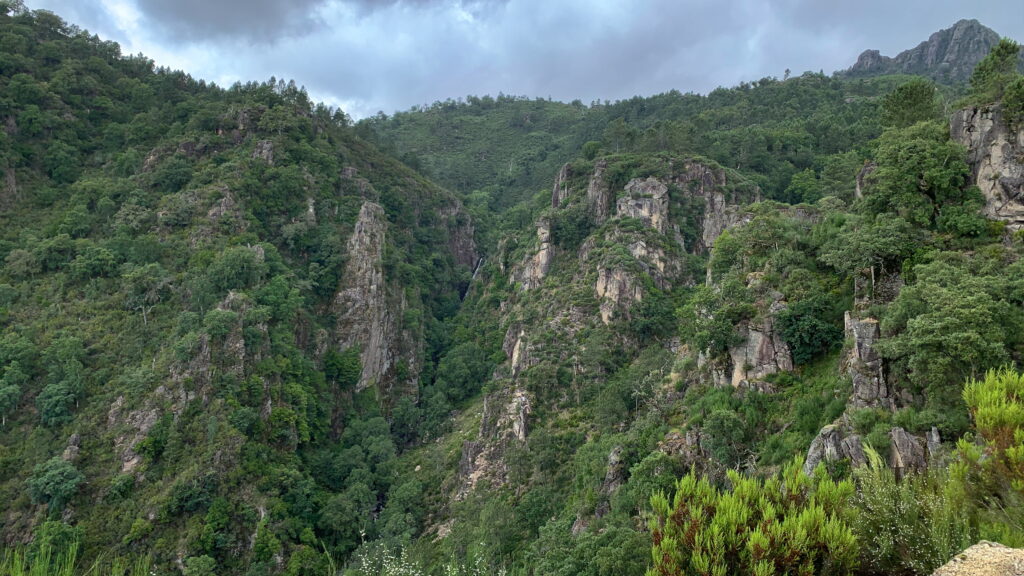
x=253 y=20
x=261 y=21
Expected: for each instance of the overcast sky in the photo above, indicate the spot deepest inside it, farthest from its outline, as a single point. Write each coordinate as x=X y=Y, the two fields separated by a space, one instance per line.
x=370 y=55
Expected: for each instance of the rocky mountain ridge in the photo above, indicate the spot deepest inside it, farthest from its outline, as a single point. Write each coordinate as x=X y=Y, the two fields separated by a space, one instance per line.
x=947 y=56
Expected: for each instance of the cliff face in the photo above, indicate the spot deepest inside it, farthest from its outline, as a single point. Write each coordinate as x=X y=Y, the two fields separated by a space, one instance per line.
x=643 y=223
x=996 y=156
x=948 y=55
x=370 y=312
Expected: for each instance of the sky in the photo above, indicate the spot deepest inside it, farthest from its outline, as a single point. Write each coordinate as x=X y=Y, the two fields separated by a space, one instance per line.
x=367 y=56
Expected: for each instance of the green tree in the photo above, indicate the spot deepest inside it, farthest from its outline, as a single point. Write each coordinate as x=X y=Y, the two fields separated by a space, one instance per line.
x=53 y=483
x=11 y=385
x=995 y=72
x=910 y=103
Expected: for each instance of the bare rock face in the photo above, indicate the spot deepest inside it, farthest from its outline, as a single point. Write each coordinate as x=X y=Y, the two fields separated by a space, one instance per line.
x=686 y=446
x=947 y=55
x=618 y=291
x=647 y=201
x=368 y=316
x=906 y=452
x=762 y=352
x=461 y=240
x=264 y=151
x=721 y=209
x=996 y=156
x=862 y=177
x=985 y=559
x=560 y=191
x=599 y=196
x=504 y=424
x=531 y=273
x=865 y=366
x=834 y=443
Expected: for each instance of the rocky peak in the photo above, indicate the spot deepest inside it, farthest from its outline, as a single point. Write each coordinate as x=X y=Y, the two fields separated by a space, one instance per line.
x=948 y=55
x=368 y=312
x=647 y=201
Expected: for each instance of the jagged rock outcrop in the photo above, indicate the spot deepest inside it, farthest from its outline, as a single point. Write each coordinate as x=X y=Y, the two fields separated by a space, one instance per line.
x=647 y=201
x=461 y=234
x=503 y=424
x=906 y=452
x=687 y=448
x=723 y=208
x=534 y=268
x=618 y=291
x=948 y=55
x=865 y=366
x=985 y=559
x=560 y=191
x=761 y=352
x=599 y=195
x=369 y=314
x=264 y=151
x=995 y=154
x=832 y=444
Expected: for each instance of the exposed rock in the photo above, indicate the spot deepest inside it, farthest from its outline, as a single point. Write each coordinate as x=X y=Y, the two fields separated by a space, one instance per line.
x=532 y=271
x=996 y=156
x=599 y=196
x=647 y=201
x=264 y=151
x=906 y=453
x=614 y=477
x=722 y=209
x=865 y=366
x=618 y=291
x=503 y=425
x=687 y=448
x=72 y=448
x=833 y=443
x=948 y=55
x=368 y=317
x=936 y=454
x=985 y=559
x=762 y=352
x=862 y=178
x=461 y=240
x=560 y=191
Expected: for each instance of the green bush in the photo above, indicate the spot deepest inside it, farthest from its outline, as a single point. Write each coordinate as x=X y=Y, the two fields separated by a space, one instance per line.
x=910 y=526
x=788 y=524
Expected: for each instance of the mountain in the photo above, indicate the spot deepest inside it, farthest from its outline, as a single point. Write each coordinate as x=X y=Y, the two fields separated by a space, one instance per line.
x=948 y=56
x=239 y=335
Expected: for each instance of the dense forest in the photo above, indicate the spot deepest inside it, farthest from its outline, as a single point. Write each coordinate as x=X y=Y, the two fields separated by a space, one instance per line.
x=773 y=329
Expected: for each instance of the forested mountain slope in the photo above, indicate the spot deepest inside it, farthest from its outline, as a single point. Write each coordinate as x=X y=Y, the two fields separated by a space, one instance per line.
x=239 y=338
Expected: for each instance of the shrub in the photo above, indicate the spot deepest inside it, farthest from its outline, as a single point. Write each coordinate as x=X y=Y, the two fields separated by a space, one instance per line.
x=788 y=524
x=911 y=526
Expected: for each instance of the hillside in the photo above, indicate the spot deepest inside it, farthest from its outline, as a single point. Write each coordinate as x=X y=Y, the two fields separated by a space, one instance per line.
x=772 y=330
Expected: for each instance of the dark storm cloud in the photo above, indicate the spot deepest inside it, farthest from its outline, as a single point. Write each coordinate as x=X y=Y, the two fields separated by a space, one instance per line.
x=370 y=55
x=263 y=20
x=252 y=19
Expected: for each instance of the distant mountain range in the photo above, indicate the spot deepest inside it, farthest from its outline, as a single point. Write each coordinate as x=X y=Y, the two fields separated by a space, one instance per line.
x=948 y=56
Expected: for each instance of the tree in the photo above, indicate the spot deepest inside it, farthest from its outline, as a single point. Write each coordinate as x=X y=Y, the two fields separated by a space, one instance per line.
x=788 y=524
x=53 y=483
x=995 y=72
x=11 y=385
x=145 y=286
x=910 y=103
x=921 y=173
x=65 y=380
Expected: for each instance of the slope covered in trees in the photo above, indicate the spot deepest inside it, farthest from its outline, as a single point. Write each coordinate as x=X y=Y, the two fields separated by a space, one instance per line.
x=240 y=337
